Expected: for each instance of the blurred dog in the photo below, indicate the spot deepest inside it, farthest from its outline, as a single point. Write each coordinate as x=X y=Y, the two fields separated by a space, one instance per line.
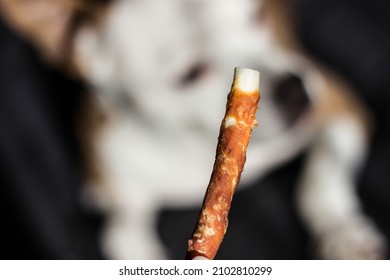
x=161 y=71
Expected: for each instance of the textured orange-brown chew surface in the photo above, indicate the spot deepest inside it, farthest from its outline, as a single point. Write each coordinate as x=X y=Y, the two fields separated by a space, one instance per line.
x=233 y=140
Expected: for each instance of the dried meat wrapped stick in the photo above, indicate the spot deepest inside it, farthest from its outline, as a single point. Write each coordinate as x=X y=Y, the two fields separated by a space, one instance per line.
x=230 y=158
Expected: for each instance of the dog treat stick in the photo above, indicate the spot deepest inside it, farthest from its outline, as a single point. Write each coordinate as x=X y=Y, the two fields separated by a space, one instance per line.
x=233 y=140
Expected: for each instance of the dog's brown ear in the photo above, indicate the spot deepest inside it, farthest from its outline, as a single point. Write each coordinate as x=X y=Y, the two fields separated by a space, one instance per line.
x=279 y=15
x=43 y=22
x=48 y=24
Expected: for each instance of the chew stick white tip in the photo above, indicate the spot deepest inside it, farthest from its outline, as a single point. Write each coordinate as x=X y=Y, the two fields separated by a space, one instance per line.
x=247 y=80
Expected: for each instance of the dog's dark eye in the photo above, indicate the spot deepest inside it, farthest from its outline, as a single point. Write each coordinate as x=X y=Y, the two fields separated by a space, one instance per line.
x=291 y=97
x=193 y=74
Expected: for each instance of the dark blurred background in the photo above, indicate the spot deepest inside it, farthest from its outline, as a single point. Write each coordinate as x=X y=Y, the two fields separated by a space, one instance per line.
x=40 y=159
